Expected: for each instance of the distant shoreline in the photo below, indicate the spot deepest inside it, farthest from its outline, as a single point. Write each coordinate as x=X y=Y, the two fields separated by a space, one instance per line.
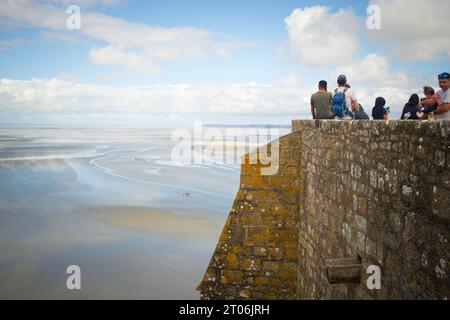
x=141 y=127
x=263 y=126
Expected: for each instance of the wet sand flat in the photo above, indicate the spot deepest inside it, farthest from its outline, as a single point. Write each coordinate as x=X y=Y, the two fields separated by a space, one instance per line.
x=155 y=221
x=111 y=201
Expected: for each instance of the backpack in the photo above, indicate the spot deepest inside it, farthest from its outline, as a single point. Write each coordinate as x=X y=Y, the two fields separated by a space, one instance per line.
x=339 y=106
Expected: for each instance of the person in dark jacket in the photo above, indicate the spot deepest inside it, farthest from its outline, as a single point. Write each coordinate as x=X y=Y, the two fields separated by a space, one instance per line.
x=412 y=108
x=379 y=112
x=360 y=114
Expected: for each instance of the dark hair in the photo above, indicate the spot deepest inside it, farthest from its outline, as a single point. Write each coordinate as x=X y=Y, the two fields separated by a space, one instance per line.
x=323 y=84
x=428 y=90
x=348 y=86
x=380 y=102
x=414 y=100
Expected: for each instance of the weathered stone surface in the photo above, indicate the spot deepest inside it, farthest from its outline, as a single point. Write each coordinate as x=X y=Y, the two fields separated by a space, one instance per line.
x=376 y=190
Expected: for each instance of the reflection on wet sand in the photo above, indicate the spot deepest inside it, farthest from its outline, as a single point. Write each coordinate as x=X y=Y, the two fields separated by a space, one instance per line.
x=155 y=221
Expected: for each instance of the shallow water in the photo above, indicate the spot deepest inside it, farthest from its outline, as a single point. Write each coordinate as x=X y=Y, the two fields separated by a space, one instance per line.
x=112 y=202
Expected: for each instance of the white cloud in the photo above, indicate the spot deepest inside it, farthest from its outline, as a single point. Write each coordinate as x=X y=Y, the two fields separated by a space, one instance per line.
x=320 y=37
x=374 y=69
x=416 y=30
x=111 y=55
x=290 y=80
x=29 y=13
x=333 y=42
x=127 y=43
x=63 y=97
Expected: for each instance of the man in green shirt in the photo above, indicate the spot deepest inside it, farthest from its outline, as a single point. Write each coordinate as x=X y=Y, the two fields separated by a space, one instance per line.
x=321 y=103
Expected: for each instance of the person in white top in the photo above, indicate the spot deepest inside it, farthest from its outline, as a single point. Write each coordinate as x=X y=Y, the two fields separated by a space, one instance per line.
x=350 y=98
x=442 y=112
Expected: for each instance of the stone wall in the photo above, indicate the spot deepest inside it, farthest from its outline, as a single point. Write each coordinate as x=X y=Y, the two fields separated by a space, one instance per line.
x=376 y=191
x=257 y=253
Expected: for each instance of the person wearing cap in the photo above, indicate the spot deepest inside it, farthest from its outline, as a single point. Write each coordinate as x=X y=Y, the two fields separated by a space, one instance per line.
x=321 y=103
x=442 y=111
x=350 y=98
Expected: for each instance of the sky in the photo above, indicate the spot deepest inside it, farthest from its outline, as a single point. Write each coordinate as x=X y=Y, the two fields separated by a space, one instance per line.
x=219 y=62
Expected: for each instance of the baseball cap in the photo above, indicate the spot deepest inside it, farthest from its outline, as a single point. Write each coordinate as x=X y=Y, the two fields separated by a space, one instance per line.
x=444 y=75
x=342 y=78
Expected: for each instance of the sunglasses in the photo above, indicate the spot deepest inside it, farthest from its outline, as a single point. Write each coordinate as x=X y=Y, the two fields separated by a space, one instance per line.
x=444 y=76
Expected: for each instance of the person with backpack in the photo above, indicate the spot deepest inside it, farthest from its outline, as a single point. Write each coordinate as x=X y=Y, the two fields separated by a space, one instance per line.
x=344 y=100
x=321 y=103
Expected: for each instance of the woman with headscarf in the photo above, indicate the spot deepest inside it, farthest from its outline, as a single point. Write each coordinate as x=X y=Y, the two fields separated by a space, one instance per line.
x=412 y=108
x=379 y=112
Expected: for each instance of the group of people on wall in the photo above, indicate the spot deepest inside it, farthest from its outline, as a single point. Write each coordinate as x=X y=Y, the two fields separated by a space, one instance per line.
x=342 y=104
